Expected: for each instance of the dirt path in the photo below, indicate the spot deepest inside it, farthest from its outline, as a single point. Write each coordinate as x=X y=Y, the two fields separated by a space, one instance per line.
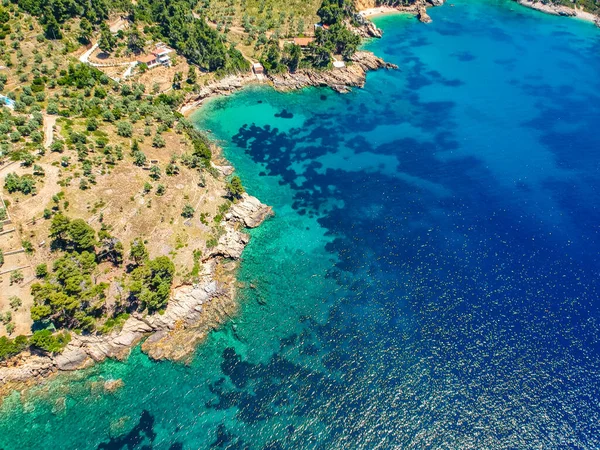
x=49 y=122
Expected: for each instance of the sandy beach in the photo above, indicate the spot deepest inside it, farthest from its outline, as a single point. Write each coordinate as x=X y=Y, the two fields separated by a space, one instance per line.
x=380 y=11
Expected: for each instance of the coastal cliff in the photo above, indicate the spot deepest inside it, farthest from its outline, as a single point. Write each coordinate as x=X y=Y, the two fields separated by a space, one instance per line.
x=192 y=312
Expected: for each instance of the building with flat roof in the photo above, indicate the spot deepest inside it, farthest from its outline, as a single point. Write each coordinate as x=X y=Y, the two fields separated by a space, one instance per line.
x=258 y=68
x=149 y=60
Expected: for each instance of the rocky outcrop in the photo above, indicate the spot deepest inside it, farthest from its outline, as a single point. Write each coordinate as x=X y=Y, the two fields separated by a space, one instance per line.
x=422 y=13
x=174 y=333
x=25 y=367
x=224 y=86
x=72 y=359
x=560 y=10
x=342 y=79
x=365 y=28
x=249 y=211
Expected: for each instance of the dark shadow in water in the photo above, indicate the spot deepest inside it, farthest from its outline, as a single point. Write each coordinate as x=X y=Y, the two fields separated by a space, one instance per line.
x=143 y=431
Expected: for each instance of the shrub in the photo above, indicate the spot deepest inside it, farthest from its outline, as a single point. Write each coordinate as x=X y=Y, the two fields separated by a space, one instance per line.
x=45 y=340
x=158 y=141
x=15 y=183
x=28 y=247
x=15 y=302
x=124 y=128
x=41 y=271
x=16 y=277
x=188 y=211
x=6 y=317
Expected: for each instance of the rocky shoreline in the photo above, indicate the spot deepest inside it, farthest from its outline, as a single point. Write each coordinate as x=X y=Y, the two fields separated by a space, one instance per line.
x=560 y=10
x=191 y=313
x=342 y=80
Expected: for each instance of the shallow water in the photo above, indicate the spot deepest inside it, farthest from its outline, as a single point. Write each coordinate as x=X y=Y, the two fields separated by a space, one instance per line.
x=430 y=277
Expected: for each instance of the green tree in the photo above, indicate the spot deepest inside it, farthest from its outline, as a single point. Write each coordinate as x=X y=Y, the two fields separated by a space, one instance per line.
x=151 y=283
x=10 y=347
x=91 y=124
x=234 y=187
x=139 y=159
x=81 y=235
x=177 y=80
x=138 y=252
x=155 y=172
x=135 y=41
x=57 y=146
x=51 y=25
x=192 y=77
x=271 y=59
x=124 y=128
x=45 y=340
x=112 y=248
x=41 y=271
x=293 y=56
x=107 y=41
x=85 y=31
x=158 y=141
x=59 y=227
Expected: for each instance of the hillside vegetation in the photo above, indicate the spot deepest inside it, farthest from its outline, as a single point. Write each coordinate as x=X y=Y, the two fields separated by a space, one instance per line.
x=110 y=197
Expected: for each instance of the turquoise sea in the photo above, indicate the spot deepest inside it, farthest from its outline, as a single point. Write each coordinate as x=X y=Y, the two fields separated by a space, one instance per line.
x=430 y=279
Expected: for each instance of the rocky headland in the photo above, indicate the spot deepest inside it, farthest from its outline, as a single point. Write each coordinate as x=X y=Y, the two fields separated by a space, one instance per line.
x=354 y=74
x=560 y=10
x=192 y=312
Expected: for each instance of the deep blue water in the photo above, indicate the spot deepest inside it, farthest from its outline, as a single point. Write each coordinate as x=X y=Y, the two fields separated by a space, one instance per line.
x=430 y=279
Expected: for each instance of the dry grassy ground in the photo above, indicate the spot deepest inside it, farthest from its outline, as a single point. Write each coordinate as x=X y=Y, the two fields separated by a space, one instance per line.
x=117 y=199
